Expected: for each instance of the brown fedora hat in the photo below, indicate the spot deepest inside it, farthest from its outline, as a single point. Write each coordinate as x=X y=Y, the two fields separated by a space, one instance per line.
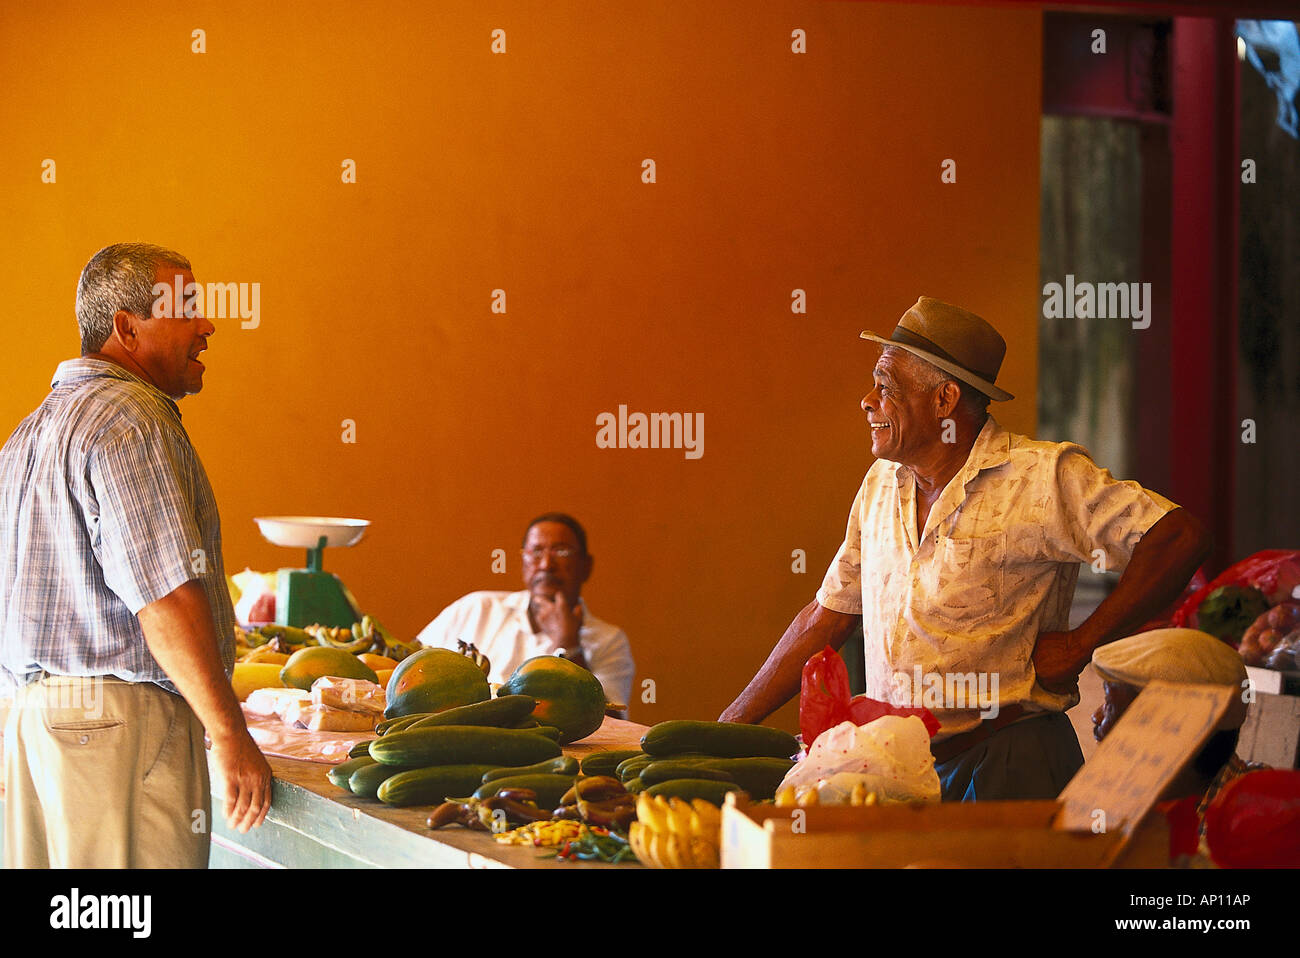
x=954 y=339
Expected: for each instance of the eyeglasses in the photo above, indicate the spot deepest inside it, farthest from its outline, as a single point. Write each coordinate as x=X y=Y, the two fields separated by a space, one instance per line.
x=537 y=553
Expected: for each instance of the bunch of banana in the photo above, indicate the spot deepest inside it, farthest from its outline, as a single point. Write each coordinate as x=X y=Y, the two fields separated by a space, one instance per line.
x=352 y=640
x=674 y=833
x=269 y=640
x=806 y=795
x=384 y=642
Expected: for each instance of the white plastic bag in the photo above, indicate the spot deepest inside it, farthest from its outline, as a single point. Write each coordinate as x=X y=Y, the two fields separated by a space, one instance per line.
x=890 y=756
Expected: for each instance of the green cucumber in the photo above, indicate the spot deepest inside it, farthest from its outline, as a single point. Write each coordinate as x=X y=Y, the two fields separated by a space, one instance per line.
x=630 y=767
x=760 y=777
x=665 y=771
x=501 y=712
x=690 y=788
x=549 y=731
x=635 y=786
x=549 y=788
x=606 y=763
x=724 y=739
x=429 y=786
x=339 y=774
x=398 y=724
x=564 y=765
x=365 y=781
x=360 y=750
x=462 y=745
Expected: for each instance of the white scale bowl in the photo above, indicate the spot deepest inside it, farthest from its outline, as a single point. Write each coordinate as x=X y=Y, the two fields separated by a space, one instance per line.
x=304 y=532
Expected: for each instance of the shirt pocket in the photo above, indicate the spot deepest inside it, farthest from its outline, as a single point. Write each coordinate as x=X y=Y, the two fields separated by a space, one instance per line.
x=966 y=578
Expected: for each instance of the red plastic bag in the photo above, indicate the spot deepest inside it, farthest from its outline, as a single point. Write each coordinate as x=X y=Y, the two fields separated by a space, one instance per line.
x=1255 y=821
x=1274 y=572
x=825 y=702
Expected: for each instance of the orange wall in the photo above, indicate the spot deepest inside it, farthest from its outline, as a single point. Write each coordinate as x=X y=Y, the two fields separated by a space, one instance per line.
x=522 y=171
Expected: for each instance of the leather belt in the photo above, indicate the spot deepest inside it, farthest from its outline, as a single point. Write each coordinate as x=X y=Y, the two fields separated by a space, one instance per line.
x=950 y=748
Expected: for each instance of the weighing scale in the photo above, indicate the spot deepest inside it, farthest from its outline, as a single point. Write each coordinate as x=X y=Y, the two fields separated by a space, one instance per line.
x=312 y=596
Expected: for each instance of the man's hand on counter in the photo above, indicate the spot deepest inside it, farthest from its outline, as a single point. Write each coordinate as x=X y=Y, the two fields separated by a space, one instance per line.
x=179 y=631
x=247 y=778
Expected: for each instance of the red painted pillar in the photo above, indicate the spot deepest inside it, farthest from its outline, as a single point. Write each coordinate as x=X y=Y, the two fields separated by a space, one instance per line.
x=1204 y=431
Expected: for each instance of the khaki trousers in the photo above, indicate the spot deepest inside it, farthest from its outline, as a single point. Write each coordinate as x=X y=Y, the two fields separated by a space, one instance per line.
x=101 y=773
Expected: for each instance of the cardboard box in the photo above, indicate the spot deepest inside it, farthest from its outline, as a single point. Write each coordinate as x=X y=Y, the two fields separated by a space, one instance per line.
x=1105 y=817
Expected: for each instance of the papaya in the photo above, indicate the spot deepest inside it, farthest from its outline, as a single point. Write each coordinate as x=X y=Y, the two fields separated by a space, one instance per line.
x=248 y=677
x=307 y=665
x=379 y=663
x=433 y=680
x=568 y=696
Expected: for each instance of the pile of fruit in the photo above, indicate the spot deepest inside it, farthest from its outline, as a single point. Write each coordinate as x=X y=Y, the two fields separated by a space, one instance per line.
x=1273 y=639
x=444 y=735
x=262 y=654
x=365 y=637
x=675 y=833
x=534 y=795
x=495 y=763
x=690 y=759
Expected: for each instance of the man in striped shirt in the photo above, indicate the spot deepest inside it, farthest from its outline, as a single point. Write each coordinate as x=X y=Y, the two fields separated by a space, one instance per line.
x=116 y=628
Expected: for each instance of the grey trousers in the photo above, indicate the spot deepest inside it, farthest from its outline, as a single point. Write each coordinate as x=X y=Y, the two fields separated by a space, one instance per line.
x=1031 y=759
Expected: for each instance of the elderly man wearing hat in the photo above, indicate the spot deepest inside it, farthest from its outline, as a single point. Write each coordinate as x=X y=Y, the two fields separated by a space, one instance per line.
x=959 y=563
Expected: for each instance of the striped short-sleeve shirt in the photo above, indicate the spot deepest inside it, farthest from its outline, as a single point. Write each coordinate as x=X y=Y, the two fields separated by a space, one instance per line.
x=104 y=508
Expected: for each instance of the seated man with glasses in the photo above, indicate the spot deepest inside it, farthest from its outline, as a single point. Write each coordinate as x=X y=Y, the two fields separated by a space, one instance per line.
x=546 y=618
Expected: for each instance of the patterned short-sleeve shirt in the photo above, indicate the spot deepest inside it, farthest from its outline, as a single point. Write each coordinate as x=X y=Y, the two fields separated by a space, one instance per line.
x=962 y=606
x=104 y=508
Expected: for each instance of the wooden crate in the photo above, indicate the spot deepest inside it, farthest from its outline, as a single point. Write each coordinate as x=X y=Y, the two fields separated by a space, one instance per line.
x=1105 y=816
x=965 y=835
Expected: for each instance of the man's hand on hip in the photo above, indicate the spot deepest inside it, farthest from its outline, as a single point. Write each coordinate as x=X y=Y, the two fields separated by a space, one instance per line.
x=1059 y=658
x=247 y=779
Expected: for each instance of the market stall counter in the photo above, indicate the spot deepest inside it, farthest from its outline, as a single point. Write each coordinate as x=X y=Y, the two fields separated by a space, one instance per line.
x=315 y=824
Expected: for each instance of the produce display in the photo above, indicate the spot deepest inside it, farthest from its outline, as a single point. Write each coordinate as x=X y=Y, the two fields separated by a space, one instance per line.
x=1273 y=639
x=588 y=810
x=367 y=637
x=262 y=653
x=495 y=763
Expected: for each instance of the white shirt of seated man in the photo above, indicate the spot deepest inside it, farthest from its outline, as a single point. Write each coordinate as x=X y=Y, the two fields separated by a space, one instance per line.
x=548 y=618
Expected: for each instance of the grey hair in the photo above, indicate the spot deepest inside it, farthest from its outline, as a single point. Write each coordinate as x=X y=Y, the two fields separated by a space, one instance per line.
x=120 y=276
x=927 y=376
